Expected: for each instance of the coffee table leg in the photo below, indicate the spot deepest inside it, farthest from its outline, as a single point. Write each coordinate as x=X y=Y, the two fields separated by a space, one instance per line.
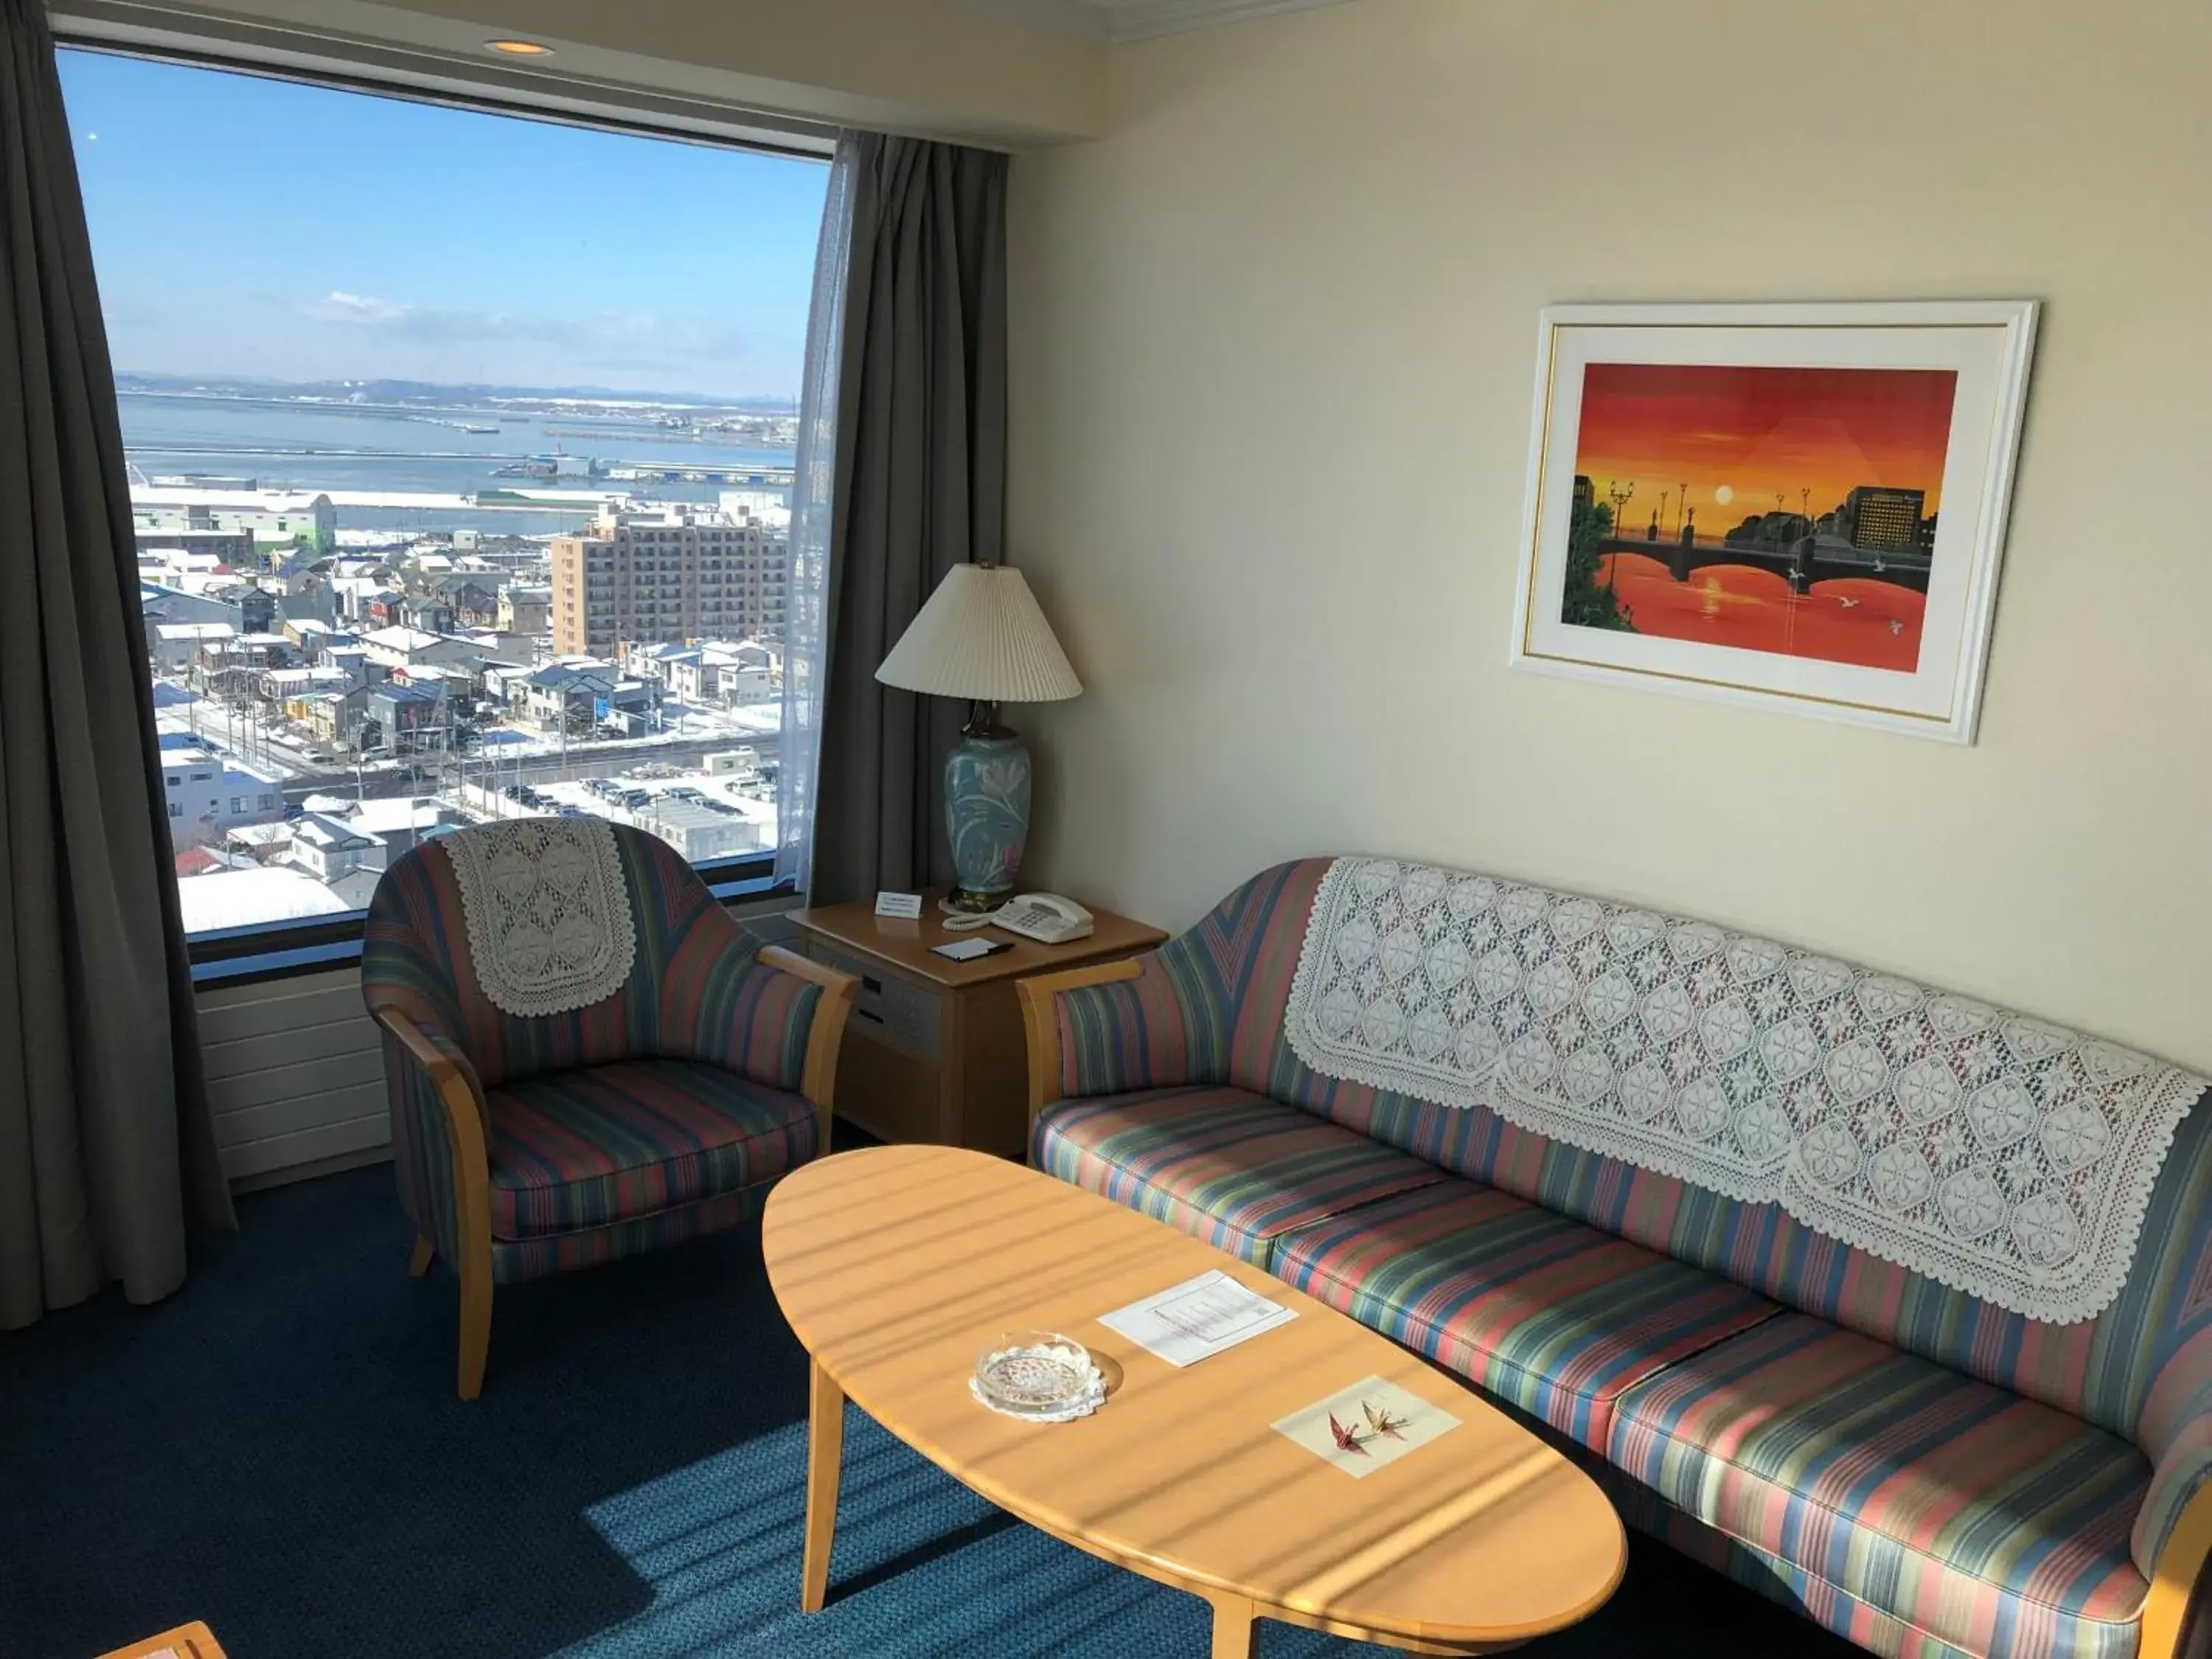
x=1232 y=1627
x=825 y=1452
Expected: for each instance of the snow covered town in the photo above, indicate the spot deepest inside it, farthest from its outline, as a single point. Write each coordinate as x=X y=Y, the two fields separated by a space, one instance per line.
x=327 y=696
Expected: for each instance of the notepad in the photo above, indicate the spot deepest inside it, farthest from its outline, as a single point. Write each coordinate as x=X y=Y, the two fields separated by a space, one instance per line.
x=1197 y=1319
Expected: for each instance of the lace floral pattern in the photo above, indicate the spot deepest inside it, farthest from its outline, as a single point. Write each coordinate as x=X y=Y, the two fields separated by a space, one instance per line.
x=2002 y=1156
x=548 y=913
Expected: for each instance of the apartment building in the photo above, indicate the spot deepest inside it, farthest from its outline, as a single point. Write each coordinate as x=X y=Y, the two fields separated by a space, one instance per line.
x=650 y=579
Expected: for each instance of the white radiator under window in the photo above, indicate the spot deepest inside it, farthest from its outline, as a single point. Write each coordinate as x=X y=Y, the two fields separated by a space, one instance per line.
x=294 y=1074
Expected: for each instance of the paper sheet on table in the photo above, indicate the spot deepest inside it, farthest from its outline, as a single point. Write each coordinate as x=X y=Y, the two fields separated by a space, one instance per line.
x=1197 y=1318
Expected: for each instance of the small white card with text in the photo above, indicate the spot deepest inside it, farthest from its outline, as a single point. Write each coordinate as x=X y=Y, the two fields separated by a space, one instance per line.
x=906 y=907
x=1199 y=1317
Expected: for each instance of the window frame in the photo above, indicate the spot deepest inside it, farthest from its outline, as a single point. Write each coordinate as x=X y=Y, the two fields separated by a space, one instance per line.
x=257 y=951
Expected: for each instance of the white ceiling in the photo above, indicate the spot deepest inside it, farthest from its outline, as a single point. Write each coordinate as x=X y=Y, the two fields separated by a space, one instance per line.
x=1118 y=21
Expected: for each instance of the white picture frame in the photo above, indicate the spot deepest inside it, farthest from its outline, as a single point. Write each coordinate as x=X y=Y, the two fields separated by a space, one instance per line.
x=1807 y=607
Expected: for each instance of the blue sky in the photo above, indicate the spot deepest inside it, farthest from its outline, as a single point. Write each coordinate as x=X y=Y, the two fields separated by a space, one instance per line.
x=250 y=227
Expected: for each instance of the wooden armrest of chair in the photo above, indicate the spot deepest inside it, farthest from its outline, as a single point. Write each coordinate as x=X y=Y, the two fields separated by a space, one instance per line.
x=2166 y=1625
x=465 y=1133
x=818 y=1083
x=1041 y=1025
x=443 y=1072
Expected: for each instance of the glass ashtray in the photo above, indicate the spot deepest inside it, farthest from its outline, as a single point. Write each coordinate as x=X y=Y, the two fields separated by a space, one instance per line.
x=1039 y=1375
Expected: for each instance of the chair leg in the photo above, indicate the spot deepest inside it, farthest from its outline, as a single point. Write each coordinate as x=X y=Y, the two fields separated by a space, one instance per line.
x=419 y=1263
x=476 y=1331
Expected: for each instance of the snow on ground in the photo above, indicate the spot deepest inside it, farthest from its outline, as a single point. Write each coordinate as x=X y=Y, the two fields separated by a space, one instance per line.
x=239 y=898
x=683 y=725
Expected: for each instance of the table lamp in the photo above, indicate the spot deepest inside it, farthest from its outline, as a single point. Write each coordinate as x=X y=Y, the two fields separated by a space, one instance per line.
x=980 y=636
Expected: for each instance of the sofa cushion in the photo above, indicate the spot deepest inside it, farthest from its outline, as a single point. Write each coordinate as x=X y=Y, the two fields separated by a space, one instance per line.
x=611 y=1143
x=1235 y=1169
x=1554 y=1316
x=1974 y=1516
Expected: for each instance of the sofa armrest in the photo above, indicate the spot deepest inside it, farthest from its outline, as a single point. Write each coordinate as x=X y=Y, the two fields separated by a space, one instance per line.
x=1041 y=996
x=1149 y=1022
x=2172 y=1537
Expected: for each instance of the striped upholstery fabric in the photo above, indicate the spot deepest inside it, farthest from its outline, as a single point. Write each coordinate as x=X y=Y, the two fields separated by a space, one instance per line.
x=613 y=1142
x=1856 y=1621
x=1234 y=1169
x=515 y=1259
x=1166 y=1027
x=421 y=1154
x=695 y=993
x=1975 y=1516
x=2172 y=1278
x=1209 y=1010
x=1553 y=1315
x=2103 y=1370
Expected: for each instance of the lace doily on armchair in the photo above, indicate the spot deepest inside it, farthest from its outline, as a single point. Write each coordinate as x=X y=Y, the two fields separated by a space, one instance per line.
x=2004 y=1157
x=547 y=910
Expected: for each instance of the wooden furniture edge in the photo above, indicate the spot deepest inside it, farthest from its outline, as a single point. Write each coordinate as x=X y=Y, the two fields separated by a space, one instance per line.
x=826 y=1036
x=829 y=1383
x=465 y=1134
x=195 y=1640
x=2174 y=1579
x=1041 y=1026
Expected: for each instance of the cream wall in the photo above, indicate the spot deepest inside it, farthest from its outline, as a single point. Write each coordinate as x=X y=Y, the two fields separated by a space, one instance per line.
x=929 y=67
x=1274 y=340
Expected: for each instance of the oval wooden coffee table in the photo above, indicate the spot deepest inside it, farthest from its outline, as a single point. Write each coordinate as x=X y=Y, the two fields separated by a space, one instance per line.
x=894 y=1263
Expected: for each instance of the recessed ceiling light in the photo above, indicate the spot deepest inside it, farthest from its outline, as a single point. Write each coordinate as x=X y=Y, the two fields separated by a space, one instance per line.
x=520 y=48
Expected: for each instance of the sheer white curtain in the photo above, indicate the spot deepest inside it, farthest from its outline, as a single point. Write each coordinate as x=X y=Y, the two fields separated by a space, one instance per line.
x=812 y=498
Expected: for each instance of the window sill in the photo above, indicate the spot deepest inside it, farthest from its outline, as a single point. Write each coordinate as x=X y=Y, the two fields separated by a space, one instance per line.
x=288 y=950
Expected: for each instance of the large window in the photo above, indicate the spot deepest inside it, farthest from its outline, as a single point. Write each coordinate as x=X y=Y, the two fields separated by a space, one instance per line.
x=460 y=453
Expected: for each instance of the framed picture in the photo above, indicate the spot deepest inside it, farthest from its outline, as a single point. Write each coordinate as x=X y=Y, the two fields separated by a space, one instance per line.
x=1796 y=505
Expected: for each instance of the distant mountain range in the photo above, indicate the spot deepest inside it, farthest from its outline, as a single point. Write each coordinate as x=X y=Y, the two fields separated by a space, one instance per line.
x=432 y=395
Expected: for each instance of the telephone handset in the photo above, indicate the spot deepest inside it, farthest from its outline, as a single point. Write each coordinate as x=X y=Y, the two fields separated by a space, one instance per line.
x=1045 y=917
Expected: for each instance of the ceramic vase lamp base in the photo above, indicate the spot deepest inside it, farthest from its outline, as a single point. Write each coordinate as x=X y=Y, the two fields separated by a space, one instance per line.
x=987 y=811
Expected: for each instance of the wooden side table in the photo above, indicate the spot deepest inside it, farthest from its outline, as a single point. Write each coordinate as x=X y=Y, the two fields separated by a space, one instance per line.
x=934 y=1049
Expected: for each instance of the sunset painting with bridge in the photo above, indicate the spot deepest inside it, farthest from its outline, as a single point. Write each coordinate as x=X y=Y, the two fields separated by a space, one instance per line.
x=1779 y=509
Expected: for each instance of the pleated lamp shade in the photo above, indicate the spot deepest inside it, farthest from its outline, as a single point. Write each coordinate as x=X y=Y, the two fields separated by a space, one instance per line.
x=982 y=636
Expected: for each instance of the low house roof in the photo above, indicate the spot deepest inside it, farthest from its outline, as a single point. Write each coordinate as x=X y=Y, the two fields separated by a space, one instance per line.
x=402 y=638
x=320 y=829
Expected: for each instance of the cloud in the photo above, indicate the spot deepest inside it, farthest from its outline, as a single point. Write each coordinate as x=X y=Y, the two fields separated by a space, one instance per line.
x=338 y=305
x=616 y=338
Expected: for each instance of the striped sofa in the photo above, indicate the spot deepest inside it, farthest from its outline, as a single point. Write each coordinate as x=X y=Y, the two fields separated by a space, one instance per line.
x=662 y=1112
x=1922 y=1472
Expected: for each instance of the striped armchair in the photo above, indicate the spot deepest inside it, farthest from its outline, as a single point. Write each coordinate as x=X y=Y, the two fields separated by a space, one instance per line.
x=528 y=1146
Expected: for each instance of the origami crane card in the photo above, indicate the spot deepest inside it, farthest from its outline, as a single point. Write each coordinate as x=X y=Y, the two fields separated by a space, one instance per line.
x=1364 y=1427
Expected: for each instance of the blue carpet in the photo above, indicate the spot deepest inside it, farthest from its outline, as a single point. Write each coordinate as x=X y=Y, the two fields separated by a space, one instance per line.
x=277 y=1450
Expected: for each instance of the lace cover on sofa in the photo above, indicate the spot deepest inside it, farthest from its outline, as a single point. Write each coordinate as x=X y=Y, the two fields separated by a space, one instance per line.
x=2005 y=1156
x=548 y=913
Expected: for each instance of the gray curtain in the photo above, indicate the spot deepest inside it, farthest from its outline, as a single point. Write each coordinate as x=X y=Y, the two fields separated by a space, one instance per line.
x=106 y=1150
x=920 y=486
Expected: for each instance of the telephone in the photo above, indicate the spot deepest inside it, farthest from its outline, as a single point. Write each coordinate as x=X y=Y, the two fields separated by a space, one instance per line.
x=1045 y=917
